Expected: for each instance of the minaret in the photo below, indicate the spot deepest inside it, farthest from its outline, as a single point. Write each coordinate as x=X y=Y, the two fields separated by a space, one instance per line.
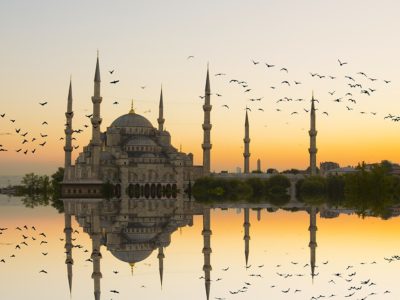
x=68 y=133
x=313 y=238
x=207 y=250
x=246 y=141
x=96 y=256
x=313 y=141
x=207 y=128
x=246 y=238
x=160 y=257
x=161 y=113
x=96 y=120
x=68 y=249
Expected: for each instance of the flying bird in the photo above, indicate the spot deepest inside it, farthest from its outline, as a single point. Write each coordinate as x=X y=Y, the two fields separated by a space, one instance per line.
x=42 y=103
x=114 y=81
x=225 y=106
x=342 y=63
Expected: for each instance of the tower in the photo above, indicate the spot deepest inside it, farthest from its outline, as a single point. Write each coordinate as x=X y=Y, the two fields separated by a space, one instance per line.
x=207 y=128
x=160 y=257
x=68 y=133
x=246 y=238
x=246 y=141
x=313 y=140
x=259 y=165
x=161 y=113
x=96 y=120
x=68 y=249
x=207 y=250
x=313 y=238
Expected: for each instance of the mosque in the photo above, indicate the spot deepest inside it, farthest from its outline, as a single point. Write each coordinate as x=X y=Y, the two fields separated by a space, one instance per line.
x=135 y=158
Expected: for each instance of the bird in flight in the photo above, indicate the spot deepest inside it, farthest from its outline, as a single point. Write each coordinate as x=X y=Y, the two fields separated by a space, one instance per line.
x=325 y=113
x=115 y=102
x=42 y=103
x=331 y=93
x=3 y=115
x=225 y=106
x=284 y=69
x=89 y=116
x=190 y=56
x=342 y=63
x=45 y=123
x=114 y=81
x=255 y=62
x=260 y=109
x=269 y=66
x=112 y=71
x=220 y=74
x=285 y=81
x=247 y=108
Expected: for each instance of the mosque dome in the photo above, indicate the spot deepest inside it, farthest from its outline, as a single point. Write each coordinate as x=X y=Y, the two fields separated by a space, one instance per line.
x=131 y=120
x=132 y=256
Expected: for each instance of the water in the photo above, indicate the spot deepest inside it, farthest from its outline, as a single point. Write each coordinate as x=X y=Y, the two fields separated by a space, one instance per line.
x=279 y=256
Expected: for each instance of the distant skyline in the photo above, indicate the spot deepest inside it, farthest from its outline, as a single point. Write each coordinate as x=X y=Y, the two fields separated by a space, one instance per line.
x=148 y=44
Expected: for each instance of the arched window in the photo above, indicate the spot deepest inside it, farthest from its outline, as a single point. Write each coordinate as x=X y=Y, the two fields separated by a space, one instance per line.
x=147 y=190
x=168 y=191
x=131 y=191
x=153 y=190
x=159 y=190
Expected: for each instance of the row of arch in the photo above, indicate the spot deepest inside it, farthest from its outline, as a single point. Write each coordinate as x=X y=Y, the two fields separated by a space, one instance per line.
x=148 y=190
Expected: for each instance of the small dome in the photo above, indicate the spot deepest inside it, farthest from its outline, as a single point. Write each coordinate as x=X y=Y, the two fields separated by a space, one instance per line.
x=131 y=120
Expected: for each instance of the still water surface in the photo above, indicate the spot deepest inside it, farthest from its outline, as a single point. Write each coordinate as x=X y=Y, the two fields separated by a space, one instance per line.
x=352 y=255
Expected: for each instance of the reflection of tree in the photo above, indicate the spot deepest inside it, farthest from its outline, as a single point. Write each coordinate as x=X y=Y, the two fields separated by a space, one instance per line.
x=312 y=190
x=272 y=190
x=371 y=190
x=41 y=191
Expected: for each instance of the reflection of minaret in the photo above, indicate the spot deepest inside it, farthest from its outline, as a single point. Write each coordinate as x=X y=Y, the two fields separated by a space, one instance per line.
x=68 y=249
x=313 y=140
x=313 y=238
x=160 y=257
x=246 y=237
x=258 y=214
x=246 y=141
x=207 y=250
x=96 y=119
x=161 y=113
x=207 y=128
x=96 y=256
x=68 y=133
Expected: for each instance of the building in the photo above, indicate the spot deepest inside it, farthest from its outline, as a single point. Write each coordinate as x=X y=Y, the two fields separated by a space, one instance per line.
x=327 y=165
x=135 y=159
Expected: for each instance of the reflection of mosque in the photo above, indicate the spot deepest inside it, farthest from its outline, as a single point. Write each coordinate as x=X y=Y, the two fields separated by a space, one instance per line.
x=147 y=226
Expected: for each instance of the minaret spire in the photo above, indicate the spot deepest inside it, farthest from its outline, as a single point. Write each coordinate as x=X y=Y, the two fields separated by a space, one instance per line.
x=96 y=120
x=313 y=238
x=207 y=127
x=207 y=250
x=160 y=257
x=68 y=249
x=246 y=141
x=246 y=226
x=68 y=133
x=313 y=140
x=161 y=113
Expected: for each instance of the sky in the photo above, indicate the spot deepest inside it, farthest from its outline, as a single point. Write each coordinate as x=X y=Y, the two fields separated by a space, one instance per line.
x=147 y=44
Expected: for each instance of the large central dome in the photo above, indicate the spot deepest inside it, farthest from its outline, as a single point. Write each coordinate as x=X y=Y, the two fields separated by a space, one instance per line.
x=131 y=120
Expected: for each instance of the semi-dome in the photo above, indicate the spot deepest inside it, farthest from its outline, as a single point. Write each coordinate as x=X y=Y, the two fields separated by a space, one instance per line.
x=131 y=120
x=141 y=141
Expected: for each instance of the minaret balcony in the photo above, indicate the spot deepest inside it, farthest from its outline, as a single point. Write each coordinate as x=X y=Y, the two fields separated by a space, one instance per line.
x=207 y=126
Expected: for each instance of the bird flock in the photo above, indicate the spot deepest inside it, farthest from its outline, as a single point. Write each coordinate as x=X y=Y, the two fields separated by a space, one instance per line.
x=357 y=87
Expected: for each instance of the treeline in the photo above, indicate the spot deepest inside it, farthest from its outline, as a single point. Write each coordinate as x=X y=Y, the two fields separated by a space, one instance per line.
x=38 y=190
x=367 y=191
x=273 y=190
x=372 y=191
